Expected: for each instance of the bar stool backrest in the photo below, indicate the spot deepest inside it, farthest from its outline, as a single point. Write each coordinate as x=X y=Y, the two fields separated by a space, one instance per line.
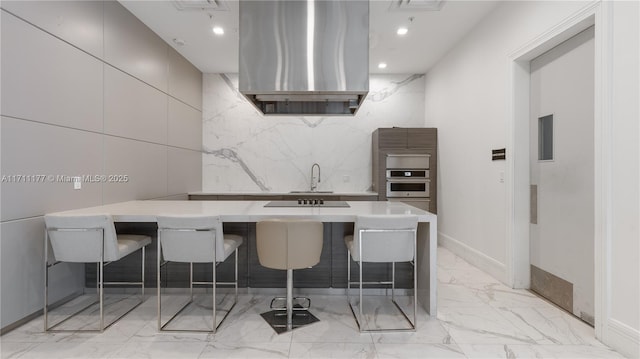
x=191 y=239
x=385 y=238
x=289 y=244
x=80 y=238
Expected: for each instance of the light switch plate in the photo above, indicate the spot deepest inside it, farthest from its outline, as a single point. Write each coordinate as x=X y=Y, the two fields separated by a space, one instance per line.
x=76 y=183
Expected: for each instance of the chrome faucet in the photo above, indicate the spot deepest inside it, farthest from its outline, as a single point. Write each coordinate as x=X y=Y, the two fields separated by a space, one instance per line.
x=314 y=184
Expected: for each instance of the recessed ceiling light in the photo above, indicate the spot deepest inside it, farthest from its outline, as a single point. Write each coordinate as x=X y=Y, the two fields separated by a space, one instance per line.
x=402 y=31
x=382 y=65
x=218 y=30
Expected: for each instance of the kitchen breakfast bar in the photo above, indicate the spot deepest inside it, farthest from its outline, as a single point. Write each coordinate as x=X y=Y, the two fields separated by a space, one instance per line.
x=144 y=213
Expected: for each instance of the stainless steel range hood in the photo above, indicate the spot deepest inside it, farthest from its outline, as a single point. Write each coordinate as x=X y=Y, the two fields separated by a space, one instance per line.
x=304 y=57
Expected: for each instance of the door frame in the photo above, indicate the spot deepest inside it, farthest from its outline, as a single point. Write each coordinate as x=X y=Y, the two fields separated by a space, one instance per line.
x=517 y=167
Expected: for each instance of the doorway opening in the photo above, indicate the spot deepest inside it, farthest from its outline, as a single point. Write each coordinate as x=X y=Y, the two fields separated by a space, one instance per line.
x=518 y=165
x=561 y=234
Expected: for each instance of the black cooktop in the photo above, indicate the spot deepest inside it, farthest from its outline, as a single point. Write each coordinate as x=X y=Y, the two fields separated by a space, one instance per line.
x=308 y=203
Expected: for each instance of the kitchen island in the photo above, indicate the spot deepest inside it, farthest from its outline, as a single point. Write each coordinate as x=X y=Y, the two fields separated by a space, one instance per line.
x=241 y=212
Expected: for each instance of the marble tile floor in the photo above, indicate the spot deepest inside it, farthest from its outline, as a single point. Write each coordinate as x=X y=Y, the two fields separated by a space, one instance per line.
x=477 y=318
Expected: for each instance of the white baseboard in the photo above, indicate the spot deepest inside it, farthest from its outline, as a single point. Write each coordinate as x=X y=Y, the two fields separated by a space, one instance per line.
x=475 y=257
x=623 y=338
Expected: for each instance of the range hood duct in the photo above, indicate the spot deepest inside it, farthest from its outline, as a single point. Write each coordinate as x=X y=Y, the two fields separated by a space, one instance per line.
x=304 y=57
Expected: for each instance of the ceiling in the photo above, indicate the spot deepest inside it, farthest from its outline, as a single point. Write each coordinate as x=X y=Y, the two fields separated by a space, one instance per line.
x=431 y=33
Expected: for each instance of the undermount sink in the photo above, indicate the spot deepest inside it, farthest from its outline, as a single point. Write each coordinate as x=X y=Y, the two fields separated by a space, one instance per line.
x=311 y=192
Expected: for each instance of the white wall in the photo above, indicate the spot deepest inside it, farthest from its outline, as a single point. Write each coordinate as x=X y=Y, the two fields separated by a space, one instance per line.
x=87 y=89
x=623 y=317
x=249 y=152
x=467 y=98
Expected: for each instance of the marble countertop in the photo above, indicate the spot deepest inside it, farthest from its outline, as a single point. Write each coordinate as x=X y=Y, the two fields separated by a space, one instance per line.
x=247 y=211
x=317 y=193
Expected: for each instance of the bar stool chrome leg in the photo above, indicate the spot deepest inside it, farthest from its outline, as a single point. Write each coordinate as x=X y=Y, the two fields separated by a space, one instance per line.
x=301 y=241
x=289 y=299
x=355 y=243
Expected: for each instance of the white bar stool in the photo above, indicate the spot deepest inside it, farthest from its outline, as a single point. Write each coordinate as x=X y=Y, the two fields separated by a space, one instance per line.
x=87 y=239
x=289 y=244
x=195 y=239
x=380 y=239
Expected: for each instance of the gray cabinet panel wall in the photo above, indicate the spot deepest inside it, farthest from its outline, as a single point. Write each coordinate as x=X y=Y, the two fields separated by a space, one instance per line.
x=45 y=79
x=55 y=103
x=184 y=125
x=140 y=117
x=182 y=76
x=392 y=138
x=422 y=138
x=184 y=170
x=32 y=148
x=145 y=164
x=22 y=270
x=132 y=47
x=77 y=22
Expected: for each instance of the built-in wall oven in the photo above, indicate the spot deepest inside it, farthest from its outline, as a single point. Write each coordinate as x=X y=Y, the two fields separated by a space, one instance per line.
x=408 y=181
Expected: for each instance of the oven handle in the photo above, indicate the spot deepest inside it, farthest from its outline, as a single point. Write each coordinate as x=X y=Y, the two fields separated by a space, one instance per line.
x=407 y=179
x=425 y=170
x=408 y=155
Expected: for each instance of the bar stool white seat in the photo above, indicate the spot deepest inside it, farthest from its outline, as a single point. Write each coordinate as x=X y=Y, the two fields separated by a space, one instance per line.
x=380 y=239
x=89 y=239
x=195 y=239
x=288 y=244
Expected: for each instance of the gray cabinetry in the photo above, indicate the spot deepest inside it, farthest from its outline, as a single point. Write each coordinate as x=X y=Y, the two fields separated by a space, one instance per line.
x=406 y=138
x=422 y=138
x=392 y=138
x=399 y=141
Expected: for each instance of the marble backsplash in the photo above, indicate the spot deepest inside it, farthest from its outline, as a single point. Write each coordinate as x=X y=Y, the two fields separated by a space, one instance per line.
x=245 y=151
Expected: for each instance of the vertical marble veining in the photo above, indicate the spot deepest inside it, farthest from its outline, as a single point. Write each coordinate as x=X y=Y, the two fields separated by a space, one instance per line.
x=248 y=152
